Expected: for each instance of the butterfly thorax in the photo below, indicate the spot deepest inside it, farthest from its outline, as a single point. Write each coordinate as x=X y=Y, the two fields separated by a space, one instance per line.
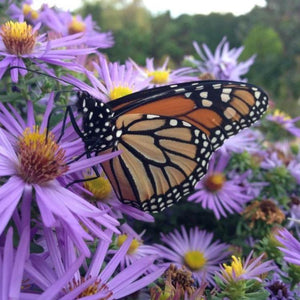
x=98 y=125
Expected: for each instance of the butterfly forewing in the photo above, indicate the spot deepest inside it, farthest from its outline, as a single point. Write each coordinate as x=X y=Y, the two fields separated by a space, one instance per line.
x=219 y=108
x=162 y=159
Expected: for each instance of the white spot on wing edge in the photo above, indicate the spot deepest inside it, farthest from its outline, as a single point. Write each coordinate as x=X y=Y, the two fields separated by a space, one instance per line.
x=179 y=90
x=217 y=86
x=204 y=94
x=152 y=116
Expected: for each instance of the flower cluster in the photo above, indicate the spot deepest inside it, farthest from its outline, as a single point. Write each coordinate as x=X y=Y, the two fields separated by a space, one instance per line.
x=64 y=233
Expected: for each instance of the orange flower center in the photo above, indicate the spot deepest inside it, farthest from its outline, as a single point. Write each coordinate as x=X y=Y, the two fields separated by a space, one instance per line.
x=40 y=157
x=76 y=26
x=214 y=182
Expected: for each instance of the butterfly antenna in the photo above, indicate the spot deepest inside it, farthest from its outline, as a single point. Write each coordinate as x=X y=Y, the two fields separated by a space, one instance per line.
x=44 y=74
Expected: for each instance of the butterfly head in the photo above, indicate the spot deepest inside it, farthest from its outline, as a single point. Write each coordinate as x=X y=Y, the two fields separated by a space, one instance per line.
x=98 y=125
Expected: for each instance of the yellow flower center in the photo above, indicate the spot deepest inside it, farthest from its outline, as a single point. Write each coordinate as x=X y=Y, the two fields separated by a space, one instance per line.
x=281 y=114
x=159 y=76
x=214 y=182
x=235 y=269
x=194 y=260
x=29 y=12
x=119 y=91
x=18 y=37
x=133 y=246
x=40 y=157
x=76 y=26
x=99 y=187
x=92 y=289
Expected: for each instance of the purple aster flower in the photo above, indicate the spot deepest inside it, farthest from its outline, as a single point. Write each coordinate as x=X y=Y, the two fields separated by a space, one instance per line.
x=285 y=121
x=118 y=80
x=294 y=219
x=246 y=140
x=117 y=210
x=59 y=274
x=37 y=165
x=65 y=24
x=195 y=250
x=99 y=191
x=251 y=268
x=223 y=64
x=291 y=246
x=252 y=188
x=163 y=75
x=294 y=168
x=271 y=161
x=12 y=264
x=20 y=42
x=24 y=12
x=137 y=247
x=279 y=289
x=217 y=193
x=114 y=80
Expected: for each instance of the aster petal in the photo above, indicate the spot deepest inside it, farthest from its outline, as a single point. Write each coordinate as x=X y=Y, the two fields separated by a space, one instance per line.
x=7 y=264
x=89 y=162
x=30 y=115
x=36 y=269
x=98 y=257
x=57 y=286
x=115 y=261
x=47 y=112
x=78 y=290
x=9 y=122
x=8 y=157
x=124 y=283
x=17 y=116
x=46 y=214
x=11 y=193
x=18 y=268
x=54 y=252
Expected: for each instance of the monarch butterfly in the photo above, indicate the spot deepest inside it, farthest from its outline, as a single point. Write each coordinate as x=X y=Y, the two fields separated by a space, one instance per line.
x=166 y=135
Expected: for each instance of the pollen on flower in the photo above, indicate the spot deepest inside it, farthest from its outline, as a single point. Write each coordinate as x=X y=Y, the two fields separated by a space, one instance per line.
x=92 y=289
x=265 y=210
x=119 y=91
x=40 y=157
x=159 y=76
x=18 y=37
x=214 y=182
x=280 y=114
x=207 y=76
x=179 y=283
x=133 y=246
x=235 y=269
x=99 y=187
x=29 y=12
x=194 y=260
x=76 y=26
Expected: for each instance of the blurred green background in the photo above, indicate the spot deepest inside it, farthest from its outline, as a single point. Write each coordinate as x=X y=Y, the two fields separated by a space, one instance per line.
x=272 y=32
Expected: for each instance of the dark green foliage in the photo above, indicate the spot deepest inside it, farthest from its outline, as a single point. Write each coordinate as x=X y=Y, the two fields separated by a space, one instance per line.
x=271 y=32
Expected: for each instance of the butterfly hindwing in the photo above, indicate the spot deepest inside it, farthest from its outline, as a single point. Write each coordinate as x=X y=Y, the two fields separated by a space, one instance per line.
x=162 y=159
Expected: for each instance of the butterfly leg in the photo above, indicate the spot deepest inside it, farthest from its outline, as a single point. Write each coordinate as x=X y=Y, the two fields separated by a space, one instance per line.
x=69 y=112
